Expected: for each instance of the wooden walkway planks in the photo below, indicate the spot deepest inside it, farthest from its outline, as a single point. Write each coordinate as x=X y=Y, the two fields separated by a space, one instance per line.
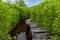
x=34 y=32
x=38 y=33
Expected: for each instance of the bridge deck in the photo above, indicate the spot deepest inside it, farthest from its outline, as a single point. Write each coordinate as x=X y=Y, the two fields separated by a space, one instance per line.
x=38 y=33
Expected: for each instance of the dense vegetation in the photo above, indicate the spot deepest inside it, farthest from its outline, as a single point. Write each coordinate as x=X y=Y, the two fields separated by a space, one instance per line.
x=9 y=16
x=46 y=14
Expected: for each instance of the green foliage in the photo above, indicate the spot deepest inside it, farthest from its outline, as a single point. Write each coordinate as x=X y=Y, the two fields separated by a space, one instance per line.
x=0 y=0
x=21 y=2
x=47 y=14
x=25 y=12
x=9 y=16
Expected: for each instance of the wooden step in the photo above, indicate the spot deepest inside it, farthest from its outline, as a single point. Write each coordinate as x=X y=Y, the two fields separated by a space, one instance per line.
x=37 y=28
x=42 y=35
x=33 y=25
x=29 y=20
x=39 y=31
x=30 y=23
x=41 y=39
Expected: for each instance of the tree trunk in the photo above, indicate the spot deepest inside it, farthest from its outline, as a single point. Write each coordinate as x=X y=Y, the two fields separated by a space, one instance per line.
x=28 y=33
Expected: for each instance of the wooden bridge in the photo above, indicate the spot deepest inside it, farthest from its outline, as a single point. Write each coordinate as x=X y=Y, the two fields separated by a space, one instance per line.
x=36 y=32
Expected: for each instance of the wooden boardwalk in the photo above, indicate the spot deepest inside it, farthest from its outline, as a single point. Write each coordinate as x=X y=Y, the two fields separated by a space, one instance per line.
x=37 y=32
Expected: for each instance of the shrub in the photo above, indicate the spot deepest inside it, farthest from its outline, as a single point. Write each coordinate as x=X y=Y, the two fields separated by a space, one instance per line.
x=47 y=14
x=9 y=16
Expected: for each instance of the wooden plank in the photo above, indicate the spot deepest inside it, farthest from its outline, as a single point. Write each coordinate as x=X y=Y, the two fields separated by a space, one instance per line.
x=37 y=28
x=40 y=39
x=37 y=39
x=42 y=35
x=38 y=31
x=29 y=20
x=33 y=25
x=30 y=23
